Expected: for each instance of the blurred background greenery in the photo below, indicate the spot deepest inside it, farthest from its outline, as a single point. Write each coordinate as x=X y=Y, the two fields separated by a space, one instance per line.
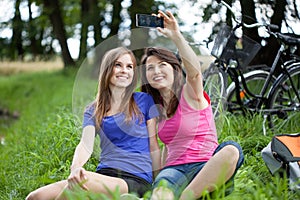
x=38 y=129
x=43 y=29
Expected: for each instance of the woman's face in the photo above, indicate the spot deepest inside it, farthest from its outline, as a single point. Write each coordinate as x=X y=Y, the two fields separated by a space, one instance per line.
x=159 y=73
x=123 y=71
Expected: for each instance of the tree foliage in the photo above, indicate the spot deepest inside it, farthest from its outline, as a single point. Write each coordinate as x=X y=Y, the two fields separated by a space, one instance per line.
x=51 y=23
x=283 y=13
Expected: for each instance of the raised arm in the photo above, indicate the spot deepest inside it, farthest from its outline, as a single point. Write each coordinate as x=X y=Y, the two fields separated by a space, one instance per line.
x=194 y=87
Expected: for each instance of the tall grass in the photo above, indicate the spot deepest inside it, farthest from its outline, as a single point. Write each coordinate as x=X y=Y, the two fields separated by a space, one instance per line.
x=39 y=146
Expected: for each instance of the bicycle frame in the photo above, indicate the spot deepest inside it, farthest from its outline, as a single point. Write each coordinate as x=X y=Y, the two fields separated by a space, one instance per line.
x=239 y=80
x=262 y=91
x=286 y=72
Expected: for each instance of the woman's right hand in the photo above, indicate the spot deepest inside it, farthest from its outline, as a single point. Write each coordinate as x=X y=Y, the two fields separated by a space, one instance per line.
x=77 y=177
x=171 y=27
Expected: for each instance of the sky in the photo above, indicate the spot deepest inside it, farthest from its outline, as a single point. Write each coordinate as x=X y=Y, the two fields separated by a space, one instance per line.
x=6 y=12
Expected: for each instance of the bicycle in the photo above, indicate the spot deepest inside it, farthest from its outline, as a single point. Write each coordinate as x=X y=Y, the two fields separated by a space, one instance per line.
x=274 y=97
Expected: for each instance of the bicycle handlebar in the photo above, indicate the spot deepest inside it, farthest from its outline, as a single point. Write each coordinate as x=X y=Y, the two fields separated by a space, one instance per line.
x=257 y=24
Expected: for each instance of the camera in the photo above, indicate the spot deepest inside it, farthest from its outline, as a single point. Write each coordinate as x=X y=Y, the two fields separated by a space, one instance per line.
x=149 y=21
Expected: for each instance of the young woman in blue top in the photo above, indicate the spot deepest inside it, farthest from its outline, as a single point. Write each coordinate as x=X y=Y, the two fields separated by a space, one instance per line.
x=125 y=121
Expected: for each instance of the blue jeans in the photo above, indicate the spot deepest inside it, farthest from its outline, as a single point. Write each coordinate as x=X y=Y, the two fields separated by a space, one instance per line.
x=179 y=176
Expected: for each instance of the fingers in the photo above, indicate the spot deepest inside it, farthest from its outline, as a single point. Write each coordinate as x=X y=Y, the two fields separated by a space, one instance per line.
x=75 y=184
x=83 y=179
x=167 y=15
x=77 y=178
x=72 y=183
x=162 y=14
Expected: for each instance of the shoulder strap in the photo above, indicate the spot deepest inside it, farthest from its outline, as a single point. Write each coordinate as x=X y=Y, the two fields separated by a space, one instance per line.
x=285 y=148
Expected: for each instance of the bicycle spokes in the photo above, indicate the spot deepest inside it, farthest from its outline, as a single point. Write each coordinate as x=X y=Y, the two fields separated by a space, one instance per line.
x=284 y=102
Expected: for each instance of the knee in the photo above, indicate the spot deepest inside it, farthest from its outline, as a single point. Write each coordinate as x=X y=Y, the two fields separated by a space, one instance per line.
x=162 y=193
x=231 y=154
x=169 y=182
x=32 y=196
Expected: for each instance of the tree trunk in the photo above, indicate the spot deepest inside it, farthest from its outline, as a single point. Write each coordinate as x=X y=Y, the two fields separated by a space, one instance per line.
x=140 y=40
x=35 y=45
x=53 y=9
x=249 y=17
x=84 y=29
x=16 y=41
x=267 y=53
x=116 y=17
x=97 y=18
x=278 y=15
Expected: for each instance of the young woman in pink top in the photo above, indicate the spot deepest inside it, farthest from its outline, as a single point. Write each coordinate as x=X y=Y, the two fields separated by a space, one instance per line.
x=193 y=161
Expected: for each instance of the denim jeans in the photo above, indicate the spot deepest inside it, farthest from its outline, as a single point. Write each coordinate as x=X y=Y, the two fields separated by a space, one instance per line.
x=179 y=176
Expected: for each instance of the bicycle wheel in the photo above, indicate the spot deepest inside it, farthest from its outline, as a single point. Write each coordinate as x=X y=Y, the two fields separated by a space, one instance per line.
x=254 y=81
x=215 y=83
x=284 y=102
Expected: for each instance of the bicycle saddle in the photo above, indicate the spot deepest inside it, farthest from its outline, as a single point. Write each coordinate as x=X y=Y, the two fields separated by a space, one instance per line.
x=288 y=38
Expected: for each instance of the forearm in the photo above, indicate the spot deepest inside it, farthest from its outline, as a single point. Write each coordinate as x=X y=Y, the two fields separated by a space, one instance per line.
x=81 y=156
x=154 y=146
x=189 y=58
x=191 y=63
x=85 y=147
x=156 y=162
x=164 y=155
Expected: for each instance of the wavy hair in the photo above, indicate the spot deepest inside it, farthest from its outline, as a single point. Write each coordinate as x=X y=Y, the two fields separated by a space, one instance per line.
x=173 y=59
x=104 y=94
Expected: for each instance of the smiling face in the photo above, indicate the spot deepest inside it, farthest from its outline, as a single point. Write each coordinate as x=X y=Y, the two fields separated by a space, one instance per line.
x=159 y=74
x=123 y=71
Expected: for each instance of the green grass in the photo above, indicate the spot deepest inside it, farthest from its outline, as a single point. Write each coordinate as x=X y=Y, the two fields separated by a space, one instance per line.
x=39 y=146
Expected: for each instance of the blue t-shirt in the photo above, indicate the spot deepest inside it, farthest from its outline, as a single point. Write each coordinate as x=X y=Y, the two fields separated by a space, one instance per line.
x=125 y=145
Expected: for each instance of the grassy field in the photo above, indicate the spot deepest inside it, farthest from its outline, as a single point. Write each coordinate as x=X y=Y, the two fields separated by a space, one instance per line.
x=37 y=145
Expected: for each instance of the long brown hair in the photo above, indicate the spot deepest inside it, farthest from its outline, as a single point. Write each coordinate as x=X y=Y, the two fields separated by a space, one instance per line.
x=171 y=58
x=104 y=94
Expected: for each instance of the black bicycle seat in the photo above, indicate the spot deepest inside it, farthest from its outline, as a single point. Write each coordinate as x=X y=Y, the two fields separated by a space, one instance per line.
x=289 y=38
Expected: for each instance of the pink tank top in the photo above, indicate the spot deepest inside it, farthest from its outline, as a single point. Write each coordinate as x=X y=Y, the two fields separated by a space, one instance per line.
x=190 y=135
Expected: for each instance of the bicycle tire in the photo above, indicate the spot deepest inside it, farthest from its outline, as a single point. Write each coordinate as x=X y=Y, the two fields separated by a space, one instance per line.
x=250 y=68
x=255 y=81
x=284 y=102
x=215 y=83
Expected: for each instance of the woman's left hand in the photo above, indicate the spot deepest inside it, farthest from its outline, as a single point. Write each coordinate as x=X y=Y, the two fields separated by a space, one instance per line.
x=77 y=178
